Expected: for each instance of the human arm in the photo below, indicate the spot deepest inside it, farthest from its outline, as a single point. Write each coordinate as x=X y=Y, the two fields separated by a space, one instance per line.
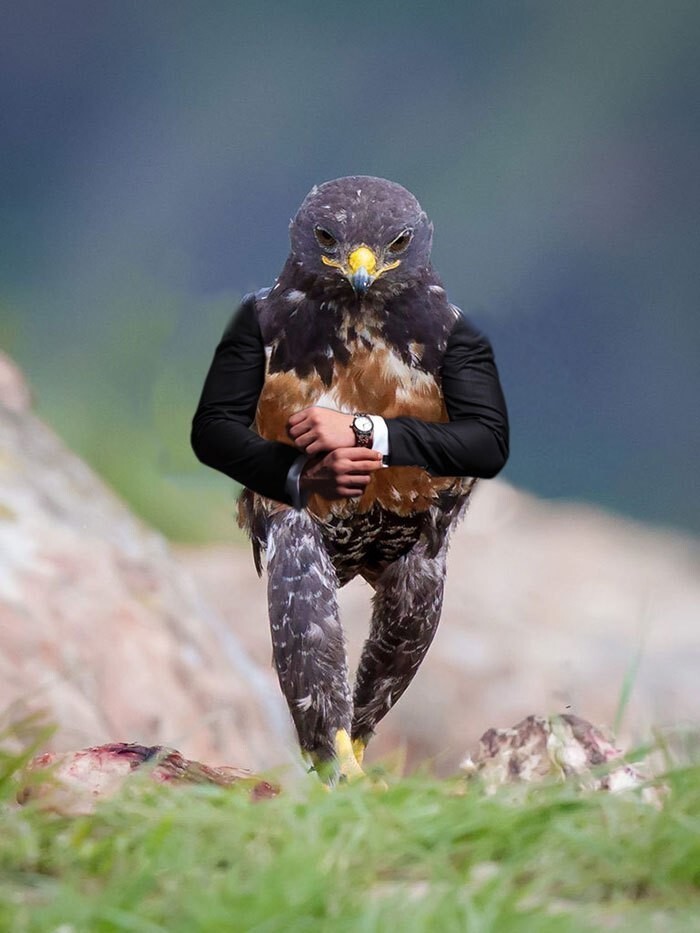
x=474 y=442
x=222 y=436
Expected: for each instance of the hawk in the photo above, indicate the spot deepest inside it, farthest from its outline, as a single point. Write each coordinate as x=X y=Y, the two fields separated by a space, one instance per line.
x=358 y=407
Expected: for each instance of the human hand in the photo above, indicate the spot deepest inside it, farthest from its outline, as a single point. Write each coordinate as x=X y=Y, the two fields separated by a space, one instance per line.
x=317 y=429
x=341 y=474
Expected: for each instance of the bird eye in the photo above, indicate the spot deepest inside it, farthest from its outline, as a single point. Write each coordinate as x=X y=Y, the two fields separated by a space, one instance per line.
x=401 y=242
x=325 y=239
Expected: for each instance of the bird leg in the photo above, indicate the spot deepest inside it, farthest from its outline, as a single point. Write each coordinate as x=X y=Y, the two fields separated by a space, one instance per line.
x=406 y=613
x=308 y=644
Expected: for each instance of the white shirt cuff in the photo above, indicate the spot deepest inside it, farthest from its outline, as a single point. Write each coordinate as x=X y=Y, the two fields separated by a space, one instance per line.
x=291 y=486
x=380 y=439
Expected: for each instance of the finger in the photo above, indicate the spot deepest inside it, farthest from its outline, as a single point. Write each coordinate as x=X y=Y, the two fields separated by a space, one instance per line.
x=315 y=447
x=348 y=492
x=303 y=438
x=298 y=433
x=300 y=420
x=351 y=479
x=299 y=428
x=359 y=453
x=359 y=466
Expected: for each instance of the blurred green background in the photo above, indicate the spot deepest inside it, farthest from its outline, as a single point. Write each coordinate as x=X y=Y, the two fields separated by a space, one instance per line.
x=153 y=153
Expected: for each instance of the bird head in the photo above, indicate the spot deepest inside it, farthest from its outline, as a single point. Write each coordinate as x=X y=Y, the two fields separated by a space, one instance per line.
x=367 y=232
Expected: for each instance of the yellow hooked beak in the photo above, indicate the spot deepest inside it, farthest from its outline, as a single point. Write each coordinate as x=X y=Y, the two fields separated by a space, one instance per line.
x=361 y=268
x=362 y=264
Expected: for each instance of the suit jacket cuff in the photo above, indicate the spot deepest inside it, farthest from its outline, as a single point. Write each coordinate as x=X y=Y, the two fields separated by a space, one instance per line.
x=292 y=484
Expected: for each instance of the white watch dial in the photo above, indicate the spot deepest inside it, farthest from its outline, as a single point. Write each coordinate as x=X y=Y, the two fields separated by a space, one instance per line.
x=364 y=424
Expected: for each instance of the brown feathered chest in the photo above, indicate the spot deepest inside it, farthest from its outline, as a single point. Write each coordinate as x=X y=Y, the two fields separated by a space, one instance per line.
x=385 y=361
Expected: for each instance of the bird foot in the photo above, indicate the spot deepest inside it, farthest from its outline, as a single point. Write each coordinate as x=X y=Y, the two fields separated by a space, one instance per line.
x=350 y=754
x=349 y=767
x=358 y=747
x=346 y=766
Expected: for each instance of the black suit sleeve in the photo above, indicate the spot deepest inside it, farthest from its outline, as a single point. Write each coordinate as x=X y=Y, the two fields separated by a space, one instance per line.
x=222 y=436
x=474 y=442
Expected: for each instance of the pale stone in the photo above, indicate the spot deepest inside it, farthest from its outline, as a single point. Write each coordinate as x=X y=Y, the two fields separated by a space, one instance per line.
x=102 y=627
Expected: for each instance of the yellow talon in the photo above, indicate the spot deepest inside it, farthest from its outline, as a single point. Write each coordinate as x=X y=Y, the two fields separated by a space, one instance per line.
x=349 y=767
x=358 y=747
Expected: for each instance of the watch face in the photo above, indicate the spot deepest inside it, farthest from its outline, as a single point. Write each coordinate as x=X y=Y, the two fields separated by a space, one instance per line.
x=363 y=423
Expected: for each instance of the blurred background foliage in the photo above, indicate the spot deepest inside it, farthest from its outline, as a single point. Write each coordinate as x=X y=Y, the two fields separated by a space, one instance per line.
x=152 y=155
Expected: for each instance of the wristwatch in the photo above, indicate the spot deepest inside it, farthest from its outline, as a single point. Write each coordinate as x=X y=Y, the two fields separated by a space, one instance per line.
x=363 y=428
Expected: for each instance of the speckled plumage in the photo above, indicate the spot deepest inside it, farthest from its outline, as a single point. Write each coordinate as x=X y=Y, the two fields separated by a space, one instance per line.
x=378 y=352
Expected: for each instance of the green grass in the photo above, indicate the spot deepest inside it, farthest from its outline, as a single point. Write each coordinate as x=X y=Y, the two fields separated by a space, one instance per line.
x=420 y=856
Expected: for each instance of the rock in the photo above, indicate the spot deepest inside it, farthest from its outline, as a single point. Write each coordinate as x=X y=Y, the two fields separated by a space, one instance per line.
x=77 y=780
x=559 y=747
x=102 y=627
x=15 y=394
